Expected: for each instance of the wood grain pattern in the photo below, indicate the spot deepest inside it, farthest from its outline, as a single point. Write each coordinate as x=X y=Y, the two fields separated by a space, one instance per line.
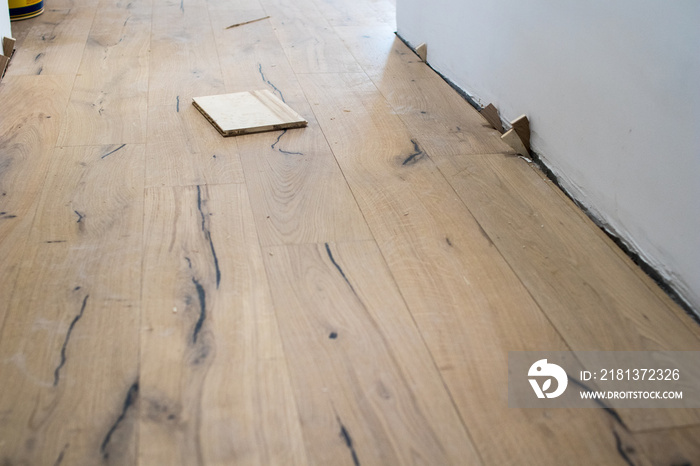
x=185 y=150
x=459 y=289
x=367 y=389
x=599 y=315
x=299 y=193
x=444 y=123
x=538 y=237
x=307 y=39
x=295 y=184
x=213 y=374
x=341 y=13
x=37 y=104
x=108 y=104
x=258 y=61
x=54 y=43
x=73 y=322
x=184 y=60
x=650 y=284
x=345 y=293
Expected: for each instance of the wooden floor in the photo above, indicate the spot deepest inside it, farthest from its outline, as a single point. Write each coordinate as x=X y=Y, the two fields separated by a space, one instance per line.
x=345 y=293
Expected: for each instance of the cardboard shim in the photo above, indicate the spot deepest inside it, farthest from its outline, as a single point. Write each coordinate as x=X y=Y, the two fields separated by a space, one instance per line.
x=521 y=125
x=8 y=46
x=422 y=51
x=491 y=114
x=513 y=140
x=3 y=65
x=247 y=112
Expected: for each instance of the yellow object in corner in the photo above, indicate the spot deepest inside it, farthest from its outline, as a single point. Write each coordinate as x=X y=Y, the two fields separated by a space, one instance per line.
x=24 y=9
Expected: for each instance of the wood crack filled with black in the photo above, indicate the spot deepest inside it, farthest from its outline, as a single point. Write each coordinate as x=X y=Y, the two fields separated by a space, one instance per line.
x=129 y=400
x=207 y=236
x=282 y=150
x=416 y=156
x=57 y=371
x=201 y=295
x=345 y=435
x=113 y=151
x=267 y=81
x=330 y=256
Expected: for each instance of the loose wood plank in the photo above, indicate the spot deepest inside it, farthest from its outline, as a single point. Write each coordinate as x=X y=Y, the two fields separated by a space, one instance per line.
x=467 y=303
x=73 y=319
x=367 y=389
x=214 y=381
x=248 y=112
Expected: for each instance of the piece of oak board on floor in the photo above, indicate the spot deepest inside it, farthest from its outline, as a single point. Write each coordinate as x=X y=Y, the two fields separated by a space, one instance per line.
x=298 y=190
x=247 y=112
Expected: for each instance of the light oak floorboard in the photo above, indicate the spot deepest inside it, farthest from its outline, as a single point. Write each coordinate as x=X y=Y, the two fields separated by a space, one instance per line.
x=346 y=293
x=214 y=379
x=54 y=42
x=652 y=286
x=673 y=446
x=308 y=39
x=108 y=104
x=184 y=149
x=460 y=291
x=367 y=388
x=434 y=113
x=69 y=349
x=586 y=292
x=35 y=106
x=184 y=59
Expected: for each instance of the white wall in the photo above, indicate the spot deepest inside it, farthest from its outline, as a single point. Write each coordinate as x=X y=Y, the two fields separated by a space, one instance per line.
x=612 y=91
x=5 y=30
